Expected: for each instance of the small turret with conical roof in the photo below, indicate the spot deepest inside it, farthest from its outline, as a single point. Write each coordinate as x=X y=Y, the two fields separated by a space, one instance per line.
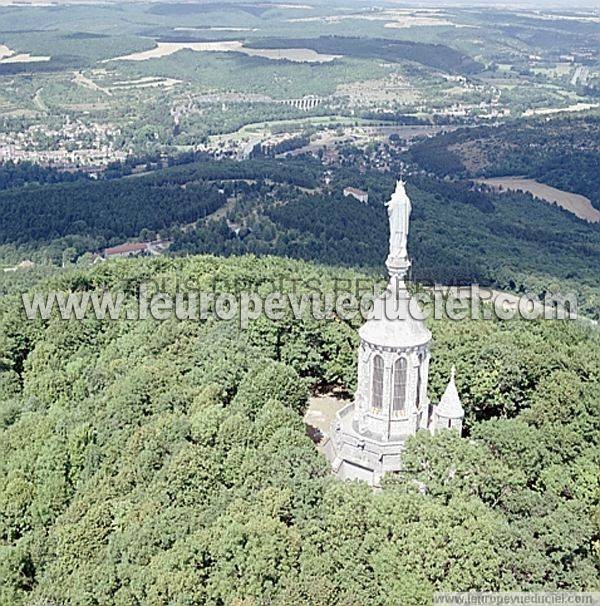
x=449 y=413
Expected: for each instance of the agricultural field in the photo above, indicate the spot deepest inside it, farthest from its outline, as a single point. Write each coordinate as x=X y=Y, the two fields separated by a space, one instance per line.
x=166 y=77
x=577 y=204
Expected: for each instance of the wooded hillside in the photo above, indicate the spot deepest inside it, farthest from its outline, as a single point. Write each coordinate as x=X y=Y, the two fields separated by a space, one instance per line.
x=168 y=463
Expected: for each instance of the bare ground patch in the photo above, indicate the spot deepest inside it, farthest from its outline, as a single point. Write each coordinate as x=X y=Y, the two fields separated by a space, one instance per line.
x=320 y=415
x=163 y=49
x=577 y=204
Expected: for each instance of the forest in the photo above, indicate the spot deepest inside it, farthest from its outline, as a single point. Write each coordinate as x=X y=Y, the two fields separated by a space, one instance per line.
x=121 y=208
x=168 y=462
x=459 y=234
x=432 y=55
x=107 y=209
x=14 y=175
x=561 y=152
x=171 y=463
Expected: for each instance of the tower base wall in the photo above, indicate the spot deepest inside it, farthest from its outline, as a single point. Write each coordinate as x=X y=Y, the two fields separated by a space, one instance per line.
x=360 y=456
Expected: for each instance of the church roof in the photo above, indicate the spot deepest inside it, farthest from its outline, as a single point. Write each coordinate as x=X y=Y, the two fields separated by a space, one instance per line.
x=450 y=405
x=390 y=323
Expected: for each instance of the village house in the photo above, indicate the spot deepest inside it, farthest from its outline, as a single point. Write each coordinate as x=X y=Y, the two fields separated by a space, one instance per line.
x=26 y=264
x=358 y=194
x=132 y=249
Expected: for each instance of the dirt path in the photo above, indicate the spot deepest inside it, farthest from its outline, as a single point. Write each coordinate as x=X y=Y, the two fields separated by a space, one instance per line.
x=222 y=210
x=82 y=80
x=38 y=101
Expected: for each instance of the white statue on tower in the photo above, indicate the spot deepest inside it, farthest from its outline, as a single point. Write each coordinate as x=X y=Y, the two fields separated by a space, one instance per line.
x=399 y=208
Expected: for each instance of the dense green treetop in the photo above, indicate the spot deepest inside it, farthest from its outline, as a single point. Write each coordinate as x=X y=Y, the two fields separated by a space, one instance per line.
x=167 y=462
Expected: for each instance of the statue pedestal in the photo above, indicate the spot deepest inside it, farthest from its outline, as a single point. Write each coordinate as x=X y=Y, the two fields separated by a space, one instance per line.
x=397 y=267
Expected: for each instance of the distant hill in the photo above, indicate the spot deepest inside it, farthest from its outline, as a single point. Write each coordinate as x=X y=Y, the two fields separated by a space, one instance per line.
x=433 y=55
x=459 y=234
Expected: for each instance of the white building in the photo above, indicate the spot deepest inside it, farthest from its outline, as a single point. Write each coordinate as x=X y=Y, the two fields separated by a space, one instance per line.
x=358 y=194
x=368 y=436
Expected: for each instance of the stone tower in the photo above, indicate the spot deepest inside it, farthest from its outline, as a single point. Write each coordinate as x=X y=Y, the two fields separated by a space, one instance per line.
x=367 y=437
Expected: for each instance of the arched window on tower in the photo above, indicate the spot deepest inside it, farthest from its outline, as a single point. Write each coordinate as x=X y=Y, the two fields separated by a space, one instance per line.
x=419 y=380
x=399 y=396
x=377 y=394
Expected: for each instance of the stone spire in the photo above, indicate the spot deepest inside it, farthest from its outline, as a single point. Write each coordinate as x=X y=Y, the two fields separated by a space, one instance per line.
x=390 y=404
x=390 y=323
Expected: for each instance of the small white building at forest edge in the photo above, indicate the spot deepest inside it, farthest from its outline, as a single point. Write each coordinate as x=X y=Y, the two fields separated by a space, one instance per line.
x=368 y=436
